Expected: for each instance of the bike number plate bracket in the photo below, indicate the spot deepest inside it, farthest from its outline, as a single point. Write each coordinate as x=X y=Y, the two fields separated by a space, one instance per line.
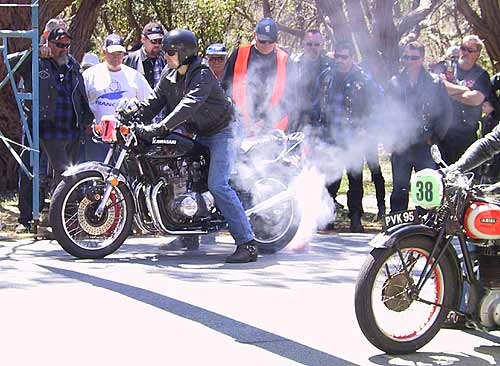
x=398 y=218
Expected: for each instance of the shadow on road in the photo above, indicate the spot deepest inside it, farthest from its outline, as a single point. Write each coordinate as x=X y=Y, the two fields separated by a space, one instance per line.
x=239 y=331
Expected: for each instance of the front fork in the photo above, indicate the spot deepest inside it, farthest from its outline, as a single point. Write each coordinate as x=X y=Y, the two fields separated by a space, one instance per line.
x=112 y=179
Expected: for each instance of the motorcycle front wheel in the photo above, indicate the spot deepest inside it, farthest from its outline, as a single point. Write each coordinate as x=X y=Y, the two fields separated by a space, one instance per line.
x=389 y=312
x=276 y=226
x=75 y=226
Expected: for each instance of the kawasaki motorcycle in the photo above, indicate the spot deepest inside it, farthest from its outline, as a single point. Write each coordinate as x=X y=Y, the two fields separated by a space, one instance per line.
x=162 y=187
x=415 y=280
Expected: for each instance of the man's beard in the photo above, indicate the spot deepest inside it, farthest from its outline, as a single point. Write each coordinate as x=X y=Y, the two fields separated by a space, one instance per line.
x=62 y=60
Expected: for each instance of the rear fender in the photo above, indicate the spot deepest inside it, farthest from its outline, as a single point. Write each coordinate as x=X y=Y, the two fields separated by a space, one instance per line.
x=93 y=166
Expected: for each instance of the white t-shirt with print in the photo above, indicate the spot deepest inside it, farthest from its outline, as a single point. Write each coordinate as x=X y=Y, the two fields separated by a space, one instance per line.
x=106 y=88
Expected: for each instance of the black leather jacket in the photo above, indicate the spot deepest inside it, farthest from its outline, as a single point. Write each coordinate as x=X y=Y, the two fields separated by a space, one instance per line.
x=196 y=99
x=48 y=91
x=479 y=152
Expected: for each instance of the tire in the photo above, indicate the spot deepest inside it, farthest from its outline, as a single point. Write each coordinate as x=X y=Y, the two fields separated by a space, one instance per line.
x=376 y=315
x=273 y=228
x=82 y=234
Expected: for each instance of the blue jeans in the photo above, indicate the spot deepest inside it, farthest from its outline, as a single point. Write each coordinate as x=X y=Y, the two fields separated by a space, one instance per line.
x=223 y=147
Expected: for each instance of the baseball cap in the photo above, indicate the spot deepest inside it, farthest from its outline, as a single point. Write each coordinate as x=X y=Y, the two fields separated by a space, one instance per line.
x=58 y=33
x=153 y=31
x=216 y=49
x=266 y=30
x=114 y=43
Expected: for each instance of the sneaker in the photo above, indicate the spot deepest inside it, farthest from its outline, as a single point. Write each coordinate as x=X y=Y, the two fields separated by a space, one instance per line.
x=22 y=228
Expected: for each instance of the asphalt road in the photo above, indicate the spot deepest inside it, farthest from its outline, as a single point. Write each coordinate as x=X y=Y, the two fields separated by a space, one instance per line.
x=143 y=306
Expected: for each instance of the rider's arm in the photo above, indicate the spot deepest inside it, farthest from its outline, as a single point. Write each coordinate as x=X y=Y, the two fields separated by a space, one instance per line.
x=479 y=152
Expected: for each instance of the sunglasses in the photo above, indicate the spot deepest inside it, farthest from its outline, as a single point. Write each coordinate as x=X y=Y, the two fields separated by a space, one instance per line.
x=410 y=57
x=155 y=41
x=61 y=45
x=343 y=57
x=216 y=59
x=265 y=42
x=310 y=44
x=467 y=49
x=171 y=51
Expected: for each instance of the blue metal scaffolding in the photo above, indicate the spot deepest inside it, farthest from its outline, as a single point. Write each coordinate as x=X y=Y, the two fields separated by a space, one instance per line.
x=33 y=141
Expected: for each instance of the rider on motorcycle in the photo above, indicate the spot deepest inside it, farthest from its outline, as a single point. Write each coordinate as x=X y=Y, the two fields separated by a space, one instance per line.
x=479 y=152
x=192 y=97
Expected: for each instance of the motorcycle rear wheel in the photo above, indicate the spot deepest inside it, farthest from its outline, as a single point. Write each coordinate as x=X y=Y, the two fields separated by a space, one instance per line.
x=275 y=227
x=74 y=225
x=388 y=316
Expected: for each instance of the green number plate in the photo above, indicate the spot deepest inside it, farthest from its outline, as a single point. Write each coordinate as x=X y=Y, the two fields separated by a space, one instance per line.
x=427 y=188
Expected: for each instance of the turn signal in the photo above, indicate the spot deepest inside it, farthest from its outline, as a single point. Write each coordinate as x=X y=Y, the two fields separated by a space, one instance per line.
x=124 y=130
x=114 y=182
x=97 y=129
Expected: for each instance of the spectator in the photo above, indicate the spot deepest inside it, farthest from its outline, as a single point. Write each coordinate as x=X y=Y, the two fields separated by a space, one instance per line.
x=148 y=60
x=106 y=84
x=257 y=79
x=424 y=113
x=468 y=89
x=217 y=56
x=89 y=59
x=313 y=72
x=352 y=96
x=64 y=109
x=448 y=64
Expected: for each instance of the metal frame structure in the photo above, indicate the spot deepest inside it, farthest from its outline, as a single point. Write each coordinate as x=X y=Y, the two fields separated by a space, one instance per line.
x=33 y=141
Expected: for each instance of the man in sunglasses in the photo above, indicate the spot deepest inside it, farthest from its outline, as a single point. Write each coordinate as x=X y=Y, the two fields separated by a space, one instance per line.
x=468 y=90
x=148 y=60
x=257 y=78
x=313 y=70
x=63 y=106
x=419 y=113
x=216 y=56
x=352 y=97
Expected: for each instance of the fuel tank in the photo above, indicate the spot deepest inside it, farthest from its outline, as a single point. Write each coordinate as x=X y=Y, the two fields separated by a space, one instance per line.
x=171 y=146
x=482 y=220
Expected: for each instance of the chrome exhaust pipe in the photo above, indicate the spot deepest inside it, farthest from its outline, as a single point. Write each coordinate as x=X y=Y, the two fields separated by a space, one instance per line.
x=279 y=198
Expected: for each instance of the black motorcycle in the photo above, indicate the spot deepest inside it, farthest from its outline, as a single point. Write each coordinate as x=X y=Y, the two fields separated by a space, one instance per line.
x=414 y=280
x=162 y=186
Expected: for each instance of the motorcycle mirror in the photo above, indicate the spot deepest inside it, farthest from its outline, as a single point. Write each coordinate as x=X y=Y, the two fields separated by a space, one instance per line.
x=436 y=155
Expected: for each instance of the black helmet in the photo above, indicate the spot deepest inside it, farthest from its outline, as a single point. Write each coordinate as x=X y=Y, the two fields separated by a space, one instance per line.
x=184 y=42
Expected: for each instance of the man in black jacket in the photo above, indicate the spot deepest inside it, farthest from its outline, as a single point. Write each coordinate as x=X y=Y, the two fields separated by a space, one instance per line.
x=64 y=111
x=422 y=114
x=194 y=98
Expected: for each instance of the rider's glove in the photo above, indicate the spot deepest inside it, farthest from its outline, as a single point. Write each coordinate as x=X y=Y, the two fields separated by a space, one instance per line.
x=147 y=132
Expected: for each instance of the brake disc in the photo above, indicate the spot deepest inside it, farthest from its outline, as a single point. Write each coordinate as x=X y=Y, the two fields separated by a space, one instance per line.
x=90 y=223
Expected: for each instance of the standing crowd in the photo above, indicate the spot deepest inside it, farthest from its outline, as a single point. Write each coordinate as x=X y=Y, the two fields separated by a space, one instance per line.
x=331 y=97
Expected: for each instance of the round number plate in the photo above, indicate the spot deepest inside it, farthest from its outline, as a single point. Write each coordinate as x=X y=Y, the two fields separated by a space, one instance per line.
x=427 y=188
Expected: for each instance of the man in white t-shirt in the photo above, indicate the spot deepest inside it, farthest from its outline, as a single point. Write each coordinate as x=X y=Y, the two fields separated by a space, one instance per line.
x=106 y=84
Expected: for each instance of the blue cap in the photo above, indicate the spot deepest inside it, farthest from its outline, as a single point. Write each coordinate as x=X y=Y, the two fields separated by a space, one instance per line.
x=216 y=49
x=266 y=30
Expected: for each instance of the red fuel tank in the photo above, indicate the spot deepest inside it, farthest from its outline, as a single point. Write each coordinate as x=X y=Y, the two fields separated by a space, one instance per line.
x=482 y=221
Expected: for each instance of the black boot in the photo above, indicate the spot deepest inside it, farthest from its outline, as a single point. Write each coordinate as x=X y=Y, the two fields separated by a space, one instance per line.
x=244 y=253
x=356 y=226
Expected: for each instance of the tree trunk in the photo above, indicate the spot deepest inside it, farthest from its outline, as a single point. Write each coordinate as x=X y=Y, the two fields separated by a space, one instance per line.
x=83 y=25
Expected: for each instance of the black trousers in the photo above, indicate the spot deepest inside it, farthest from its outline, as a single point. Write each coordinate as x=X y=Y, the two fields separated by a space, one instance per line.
x=377 y=177
x=455 y=144
x=355 y=191
x=417 y=157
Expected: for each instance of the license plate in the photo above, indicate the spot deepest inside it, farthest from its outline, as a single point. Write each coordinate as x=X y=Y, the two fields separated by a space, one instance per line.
x=397 y=218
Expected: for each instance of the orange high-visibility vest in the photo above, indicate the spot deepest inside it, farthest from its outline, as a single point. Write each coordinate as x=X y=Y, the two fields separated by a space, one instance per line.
x=239 y=82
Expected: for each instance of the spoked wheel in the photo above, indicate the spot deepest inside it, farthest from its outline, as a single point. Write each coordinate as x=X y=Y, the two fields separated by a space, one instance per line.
x=276 y=226
x=75 y=224
x=391 y=313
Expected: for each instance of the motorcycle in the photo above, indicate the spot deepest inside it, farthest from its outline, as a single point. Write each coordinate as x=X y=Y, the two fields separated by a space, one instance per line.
x=414 y=280
x=162 y=187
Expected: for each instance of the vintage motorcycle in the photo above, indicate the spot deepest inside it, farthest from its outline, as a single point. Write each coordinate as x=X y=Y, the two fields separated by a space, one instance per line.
x=162 y=185
x=414 y=280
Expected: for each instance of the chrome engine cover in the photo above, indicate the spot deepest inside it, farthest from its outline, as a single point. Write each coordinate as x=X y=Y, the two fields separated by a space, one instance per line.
x=489 y=309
